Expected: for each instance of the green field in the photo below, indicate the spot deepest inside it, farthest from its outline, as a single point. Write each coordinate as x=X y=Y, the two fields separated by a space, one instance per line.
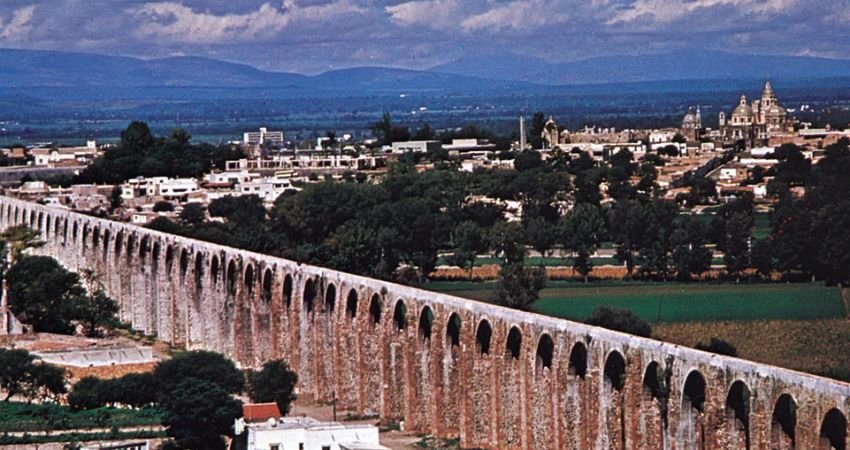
x=16 y=416
x=677 y=302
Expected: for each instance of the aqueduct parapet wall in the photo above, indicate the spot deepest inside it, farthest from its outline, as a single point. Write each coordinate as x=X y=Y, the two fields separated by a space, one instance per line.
x=494 y=377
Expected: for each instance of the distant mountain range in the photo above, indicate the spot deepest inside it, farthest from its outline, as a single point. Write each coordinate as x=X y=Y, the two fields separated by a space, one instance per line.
x=30 y=68
x=682 y=65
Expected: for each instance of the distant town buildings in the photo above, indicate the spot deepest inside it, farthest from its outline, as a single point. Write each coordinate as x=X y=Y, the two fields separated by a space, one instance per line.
x=263 y=137
x=756 y=122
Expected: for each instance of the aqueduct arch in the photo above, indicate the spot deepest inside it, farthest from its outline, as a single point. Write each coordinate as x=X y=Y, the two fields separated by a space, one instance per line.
x=453 y=367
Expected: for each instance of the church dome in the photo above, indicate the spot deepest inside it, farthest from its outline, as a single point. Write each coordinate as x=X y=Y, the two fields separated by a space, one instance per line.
x=743 y=110
x=776 y=110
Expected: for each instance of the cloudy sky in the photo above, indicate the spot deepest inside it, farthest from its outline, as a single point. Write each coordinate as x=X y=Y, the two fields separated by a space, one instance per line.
x=310 y=36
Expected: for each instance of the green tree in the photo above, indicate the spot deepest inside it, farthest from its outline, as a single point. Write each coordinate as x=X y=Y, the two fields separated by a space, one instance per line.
x=21 y=374
x=507 y=240
x=137 y=137
x=42 y=293
x=690 y=256
x=619 y=320
x=469 y=240
x=424 y=133
x=717 y=345
x=199 y=365
x=94 y=311
x=275 y=382
x=193 y=214
x=198 y=412
x=163 y=206
x=541 y=235
x=87 y=394
x=581 y=232
x=538 y=124
x=115 y=199
x=518 y=287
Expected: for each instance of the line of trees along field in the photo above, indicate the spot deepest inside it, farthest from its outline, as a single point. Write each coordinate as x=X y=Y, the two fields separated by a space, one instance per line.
x=396 y=228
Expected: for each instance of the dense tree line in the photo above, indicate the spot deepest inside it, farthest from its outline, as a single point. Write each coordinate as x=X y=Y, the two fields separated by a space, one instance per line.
x=195 y=391
x=396 y=229
x=810 y=234
x=140 y=153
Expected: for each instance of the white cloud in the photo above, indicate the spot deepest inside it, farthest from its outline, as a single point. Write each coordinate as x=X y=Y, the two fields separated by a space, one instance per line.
x=518 y=15
x=669 y=11
x=19 y=26
x=179 y=23
x=437 y=14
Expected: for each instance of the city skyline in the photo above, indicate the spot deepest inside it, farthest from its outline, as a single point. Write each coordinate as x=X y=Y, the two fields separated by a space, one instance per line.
x=306 y=36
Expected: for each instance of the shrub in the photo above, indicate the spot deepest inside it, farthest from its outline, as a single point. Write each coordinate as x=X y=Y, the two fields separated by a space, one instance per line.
x=619 y=320
x=719 y=346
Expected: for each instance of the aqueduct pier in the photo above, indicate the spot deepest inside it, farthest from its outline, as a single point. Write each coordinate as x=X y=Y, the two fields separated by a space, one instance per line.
x=494 y=377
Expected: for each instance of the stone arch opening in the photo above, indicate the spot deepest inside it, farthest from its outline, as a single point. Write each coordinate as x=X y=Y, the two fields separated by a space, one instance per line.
x=615 y=370
x=578 y=361
x=48 y=226
x=545 y=352
x=309 y=295
x=231 y=277
x=40 y=223
x=119 y=241
x=268 y=281
x=483 y=336
x=214 y=269
x=833 y=431
x=653 y=379
x=513 y=345
x=287 y=290
x=95 y=237
x=144 y=247
x=738 y=409
x=351 y=304
x=64 y=232
x=156 y=252
x=184 y=263
x=783 y=423
x=86 y=232
x=169 y=259
x=56 y=225
x=106 y=239
x=199 y=271
x=453 y=331
x=426 y=323
x=74 y=232
x=375 y=310
x=692 y=433
x=249 y=279
x=32 y=220
x=330 y=299
x=400 y=315
x=131 y=244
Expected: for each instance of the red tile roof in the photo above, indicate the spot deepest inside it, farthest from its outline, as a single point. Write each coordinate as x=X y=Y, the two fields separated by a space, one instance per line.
x=260 y=412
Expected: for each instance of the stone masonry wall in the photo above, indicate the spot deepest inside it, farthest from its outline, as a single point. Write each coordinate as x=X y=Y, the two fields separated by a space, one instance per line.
x=494 y=377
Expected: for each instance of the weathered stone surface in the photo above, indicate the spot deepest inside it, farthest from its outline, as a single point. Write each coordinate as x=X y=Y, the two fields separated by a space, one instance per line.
x=494 y=377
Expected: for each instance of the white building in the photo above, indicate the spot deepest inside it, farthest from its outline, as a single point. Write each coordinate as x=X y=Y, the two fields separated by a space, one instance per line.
x=304 y=433
x=262 y=137
x=416 y=146
x=268 y=188
x=158 y=186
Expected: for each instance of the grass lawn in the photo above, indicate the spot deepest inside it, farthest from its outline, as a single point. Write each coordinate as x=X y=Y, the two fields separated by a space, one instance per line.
x=16 y=416
x=677 y=302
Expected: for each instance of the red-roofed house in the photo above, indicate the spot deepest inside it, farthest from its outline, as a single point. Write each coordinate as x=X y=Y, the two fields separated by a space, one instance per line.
x=260 y=412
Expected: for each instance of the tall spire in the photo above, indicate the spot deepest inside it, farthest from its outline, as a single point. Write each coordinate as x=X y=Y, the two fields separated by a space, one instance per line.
x=522 y=139
x=768 y=89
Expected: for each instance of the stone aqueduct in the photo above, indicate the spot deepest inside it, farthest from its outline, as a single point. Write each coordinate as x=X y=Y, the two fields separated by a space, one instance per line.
x=494 y=377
